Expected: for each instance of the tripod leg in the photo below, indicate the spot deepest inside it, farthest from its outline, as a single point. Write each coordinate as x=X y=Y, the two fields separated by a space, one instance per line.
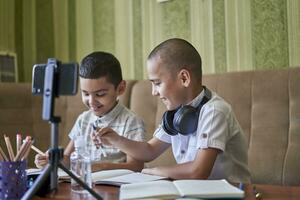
x=37 y=183
x=80 y=182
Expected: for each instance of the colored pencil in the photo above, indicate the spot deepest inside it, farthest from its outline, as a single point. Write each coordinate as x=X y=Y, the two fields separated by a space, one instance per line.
x=9 y=148
x=37 y=150
x=2 y=155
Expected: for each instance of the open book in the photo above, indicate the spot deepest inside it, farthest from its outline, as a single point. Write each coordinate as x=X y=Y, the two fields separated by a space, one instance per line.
x=163 y=189
x=122 y=176
x=114 y=177
x=60 y=173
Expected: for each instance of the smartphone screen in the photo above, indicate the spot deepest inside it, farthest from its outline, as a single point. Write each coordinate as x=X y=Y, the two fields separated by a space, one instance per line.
x=67 y=79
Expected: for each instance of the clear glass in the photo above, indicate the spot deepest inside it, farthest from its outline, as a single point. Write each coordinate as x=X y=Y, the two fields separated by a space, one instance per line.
x=80 y=164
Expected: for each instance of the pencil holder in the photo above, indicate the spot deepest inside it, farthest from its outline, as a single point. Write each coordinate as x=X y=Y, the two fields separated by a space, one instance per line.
x=13 y=179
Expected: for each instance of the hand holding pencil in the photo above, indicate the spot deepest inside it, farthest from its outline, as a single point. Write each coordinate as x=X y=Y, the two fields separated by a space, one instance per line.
x=41 y=160
x=98 y=142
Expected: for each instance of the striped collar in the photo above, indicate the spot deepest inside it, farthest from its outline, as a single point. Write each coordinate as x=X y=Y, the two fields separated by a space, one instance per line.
x=110 y=116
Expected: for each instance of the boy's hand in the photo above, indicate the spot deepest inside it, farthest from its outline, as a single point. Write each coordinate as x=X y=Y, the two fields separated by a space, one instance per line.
x=153 y=171
x=95 y=137
x=105 y=136
x=149 y=171
x=41 y=160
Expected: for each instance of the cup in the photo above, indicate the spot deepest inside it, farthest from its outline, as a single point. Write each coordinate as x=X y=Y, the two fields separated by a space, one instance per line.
x=13 y=179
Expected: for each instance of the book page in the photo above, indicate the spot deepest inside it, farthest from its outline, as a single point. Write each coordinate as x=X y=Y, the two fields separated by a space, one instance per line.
x=135 y=177
x=63 y=176
x=96 y=176
x=32 y=171
x=38 y=171
x=162 y=189
x=106 y=174
x=208 y=189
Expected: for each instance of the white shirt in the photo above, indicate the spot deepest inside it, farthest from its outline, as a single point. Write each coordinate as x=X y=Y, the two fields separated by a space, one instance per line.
x=217 y=128
x=120 y=119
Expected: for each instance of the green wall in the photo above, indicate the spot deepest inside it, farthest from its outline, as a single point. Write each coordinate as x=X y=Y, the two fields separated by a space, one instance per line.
x=231 y=35
x=270 y=40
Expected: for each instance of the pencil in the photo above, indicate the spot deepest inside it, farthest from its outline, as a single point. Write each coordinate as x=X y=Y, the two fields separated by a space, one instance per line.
x=37 y=150
x=9 y=148
x=18 y=156
x=27 y=150
x=23 y=149
x=3 y=156
x=100 y=146
x=19 y=141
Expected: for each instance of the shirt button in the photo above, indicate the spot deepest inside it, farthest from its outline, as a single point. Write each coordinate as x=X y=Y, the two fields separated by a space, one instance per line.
x=204 y=135
x=182 y=151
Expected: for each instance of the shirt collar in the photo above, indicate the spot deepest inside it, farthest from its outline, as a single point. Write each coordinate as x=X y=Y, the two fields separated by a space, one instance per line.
x=111 y=115
x=197 y=100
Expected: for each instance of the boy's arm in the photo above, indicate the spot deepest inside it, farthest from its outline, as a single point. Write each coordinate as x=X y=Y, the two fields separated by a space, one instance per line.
x=200 y=168
x=67 y=152
x=143 y=151
x=131 y=164
x=41 y=160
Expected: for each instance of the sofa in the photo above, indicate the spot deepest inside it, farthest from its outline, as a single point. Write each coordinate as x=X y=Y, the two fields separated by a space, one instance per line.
x=266 y=103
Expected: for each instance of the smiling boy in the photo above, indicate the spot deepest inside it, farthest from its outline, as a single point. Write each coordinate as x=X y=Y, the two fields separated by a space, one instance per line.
x=209 y=144
x=101 y=84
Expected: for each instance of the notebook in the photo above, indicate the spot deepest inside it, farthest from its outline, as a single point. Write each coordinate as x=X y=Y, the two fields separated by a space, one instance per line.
x=115 y=177
x=164 y=189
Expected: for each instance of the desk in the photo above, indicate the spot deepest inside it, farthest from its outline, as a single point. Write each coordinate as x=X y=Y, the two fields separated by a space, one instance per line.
x=269 y=192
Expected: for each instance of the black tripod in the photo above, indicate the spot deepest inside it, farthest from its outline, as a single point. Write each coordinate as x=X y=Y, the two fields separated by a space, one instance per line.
x=55 y=153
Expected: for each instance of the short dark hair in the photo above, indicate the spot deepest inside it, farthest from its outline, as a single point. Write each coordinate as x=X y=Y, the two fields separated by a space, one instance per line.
x=101 y=64
x=177 y=54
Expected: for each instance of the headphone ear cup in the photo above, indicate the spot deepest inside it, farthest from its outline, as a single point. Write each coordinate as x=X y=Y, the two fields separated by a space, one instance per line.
x=185 y=120
x=168 y=122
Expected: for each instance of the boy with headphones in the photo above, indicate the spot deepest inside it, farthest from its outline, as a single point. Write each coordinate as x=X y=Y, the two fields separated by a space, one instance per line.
x=206 y=139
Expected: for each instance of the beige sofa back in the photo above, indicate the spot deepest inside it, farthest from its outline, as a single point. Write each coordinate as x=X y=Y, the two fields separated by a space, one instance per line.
x=266 y=103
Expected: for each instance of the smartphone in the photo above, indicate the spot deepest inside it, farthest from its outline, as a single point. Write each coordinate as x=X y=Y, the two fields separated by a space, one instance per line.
x=67 y=79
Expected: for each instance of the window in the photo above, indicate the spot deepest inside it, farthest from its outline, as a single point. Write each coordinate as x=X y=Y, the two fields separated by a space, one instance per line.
x=8 y=67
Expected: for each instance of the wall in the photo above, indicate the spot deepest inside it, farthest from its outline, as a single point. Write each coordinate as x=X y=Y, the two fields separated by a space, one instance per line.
x=231 y=35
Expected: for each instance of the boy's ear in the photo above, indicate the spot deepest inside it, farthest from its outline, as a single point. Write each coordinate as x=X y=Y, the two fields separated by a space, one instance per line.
x=185 y=77
x=121 y=87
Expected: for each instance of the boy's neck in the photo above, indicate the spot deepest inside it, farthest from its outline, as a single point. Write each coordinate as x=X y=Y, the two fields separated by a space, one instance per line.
x=194 y=92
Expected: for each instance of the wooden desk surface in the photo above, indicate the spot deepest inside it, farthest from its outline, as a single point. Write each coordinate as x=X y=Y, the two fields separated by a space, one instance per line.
x=268 y=192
